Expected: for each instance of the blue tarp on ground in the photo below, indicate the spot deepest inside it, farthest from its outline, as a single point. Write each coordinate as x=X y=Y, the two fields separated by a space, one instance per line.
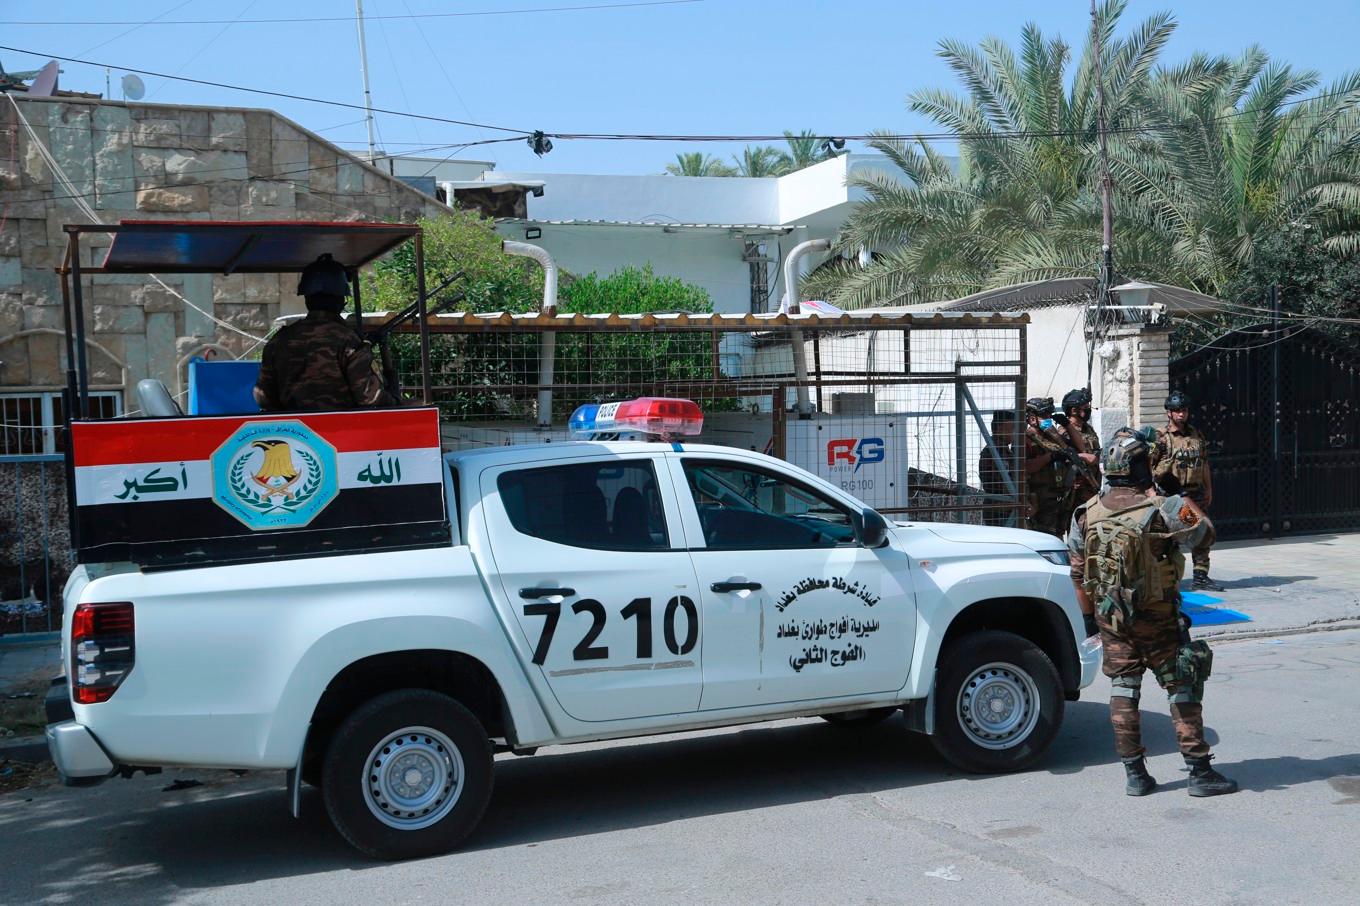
x=1202 y=612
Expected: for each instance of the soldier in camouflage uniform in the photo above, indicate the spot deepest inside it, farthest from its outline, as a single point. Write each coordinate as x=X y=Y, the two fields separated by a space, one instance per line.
x=1125 y=556
x=1046 y=469
x=1180 y=465
x=1083 y=438
x=319 y=362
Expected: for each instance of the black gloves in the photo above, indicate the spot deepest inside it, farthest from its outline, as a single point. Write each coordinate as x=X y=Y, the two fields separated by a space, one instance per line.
x=1089 y=619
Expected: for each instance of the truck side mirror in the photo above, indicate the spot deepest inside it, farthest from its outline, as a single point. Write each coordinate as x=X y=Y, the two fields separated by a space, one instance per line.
x=871 y=529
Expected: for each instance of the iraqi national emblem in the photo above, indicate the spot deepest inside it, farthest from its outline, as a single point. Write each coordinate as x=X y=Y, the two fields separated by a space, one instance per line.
x=273 y=475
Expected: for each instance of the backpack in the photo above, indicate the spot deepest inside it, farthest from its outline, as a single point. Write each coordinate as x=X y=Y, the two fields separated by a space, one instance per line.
x=1123 y=572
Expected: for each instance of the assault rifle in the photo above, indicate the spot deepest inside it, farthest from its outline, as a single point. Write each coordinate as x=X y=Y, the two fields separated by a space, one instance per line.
x=379 y=335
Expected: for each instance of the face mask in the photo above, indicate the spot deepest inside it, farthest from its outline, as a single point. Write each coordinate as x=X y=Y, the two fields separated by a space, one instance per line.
x=1045 y=424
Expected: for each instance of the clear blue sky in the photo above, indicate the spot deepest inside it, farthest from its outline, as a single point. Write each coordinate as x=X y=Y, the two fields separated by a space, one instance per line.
x=712 y=67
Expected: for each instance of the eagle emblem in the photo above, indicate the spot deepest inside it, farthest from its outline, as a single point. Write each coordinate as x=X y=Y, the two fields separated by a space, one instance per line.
x=271 y=475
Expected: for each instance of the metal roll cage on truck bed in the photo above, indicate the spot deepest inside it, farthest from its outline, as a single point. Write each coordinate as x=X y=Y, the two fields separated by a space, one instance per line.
x=155 y=461
x=330 y=595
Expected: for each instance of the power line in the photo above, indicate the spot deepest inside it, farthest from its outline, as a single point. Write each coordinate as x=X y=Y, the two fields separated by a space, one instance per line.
x=277 y=94
x=409 y=15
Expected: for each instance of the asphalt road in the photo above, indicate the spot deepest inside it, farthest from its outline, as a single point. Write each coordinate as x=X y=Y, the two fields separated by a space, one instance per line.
x=795 y=812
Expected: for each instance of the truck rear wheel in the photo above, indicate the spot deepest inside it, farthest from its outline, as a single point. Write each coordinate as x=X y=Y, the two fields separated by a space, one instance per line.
x=998 y=703
x=407 y=774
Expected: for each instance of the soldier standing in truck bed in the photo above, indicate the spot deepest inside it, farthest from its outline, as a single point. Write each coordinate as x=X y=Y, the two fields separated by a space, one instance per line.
x=1180 y=465
x=320 y=362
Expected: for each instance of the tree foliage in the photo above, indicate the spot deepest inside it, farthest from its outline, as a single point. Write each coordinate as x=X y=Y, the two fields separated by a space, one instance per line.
x=1210 y=158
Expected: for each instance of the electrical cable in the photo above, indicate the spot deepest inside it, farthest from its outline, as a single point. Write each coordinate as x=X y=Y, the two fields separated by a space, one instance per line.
x=495 y=12
x=198 y=53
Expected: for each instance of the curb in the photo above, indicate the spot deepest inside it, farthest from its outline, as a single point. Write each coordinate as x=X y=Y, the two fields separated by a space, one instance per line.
x=30 y=639
x=1242 y=635
x=28 y=749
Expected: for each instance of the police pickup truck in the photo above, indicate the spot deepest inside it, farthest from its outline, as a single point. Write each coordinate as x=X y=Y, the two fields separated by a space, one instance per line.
x=578 y=591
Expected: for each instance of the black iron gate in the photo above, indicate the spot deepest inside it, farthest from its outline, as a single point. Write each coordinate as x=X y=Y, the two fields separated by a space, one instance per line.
x=1283 y=420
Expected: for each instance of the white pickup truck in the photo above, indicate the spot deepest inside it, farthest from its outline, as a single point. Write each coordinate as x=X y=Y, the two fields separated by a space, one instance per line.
x=586 y=591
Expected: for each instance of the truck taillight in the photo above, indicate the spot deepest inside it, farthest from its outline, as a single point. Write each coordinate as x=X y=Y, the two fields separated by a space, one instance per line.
x=102 y=650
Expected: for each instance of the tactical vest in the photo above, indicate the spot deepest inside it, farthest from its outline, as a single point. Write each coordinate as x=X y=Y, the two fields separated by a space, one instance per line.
x=1130 y=566
x=1184 y=458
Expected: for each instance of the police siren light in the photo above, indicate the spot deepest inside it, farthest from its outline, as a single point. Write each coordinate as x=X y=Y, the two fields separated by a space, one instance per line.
x=648 y=415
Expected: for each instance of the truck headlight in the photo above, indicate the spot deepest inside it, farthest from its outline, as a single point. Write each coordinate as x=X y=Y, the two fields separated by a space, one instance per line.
x=1057 y=558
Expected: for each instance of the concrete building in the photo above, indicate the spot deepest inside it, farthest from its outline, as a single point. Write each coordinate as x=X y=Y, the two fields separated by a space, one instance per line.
x=726 y=234
x=152 y=161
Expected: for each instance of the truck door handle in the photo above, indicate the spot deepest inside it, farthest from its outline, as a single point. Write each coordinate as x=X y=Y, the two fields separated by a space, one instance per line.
x=530 y=593
x=721 y=587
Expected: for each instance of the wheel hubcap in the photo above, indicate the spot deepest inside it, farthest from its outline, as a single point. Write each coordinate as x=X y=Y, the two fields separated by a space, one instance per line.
x=998 y=706
x=413 y=778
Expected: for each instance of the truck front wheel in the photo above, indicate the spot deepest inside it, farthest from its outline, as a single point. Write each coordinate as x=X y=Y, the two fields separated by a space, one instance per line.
x=998 y=703
x=407 y=774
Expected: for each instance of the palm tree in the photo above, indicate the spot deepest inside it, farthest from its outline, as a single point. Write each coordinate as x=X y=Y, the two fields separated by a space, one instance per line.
x=1247 y=153
x=805 y=149
x=698 y=164
x=1022 y=204
x=761 y=160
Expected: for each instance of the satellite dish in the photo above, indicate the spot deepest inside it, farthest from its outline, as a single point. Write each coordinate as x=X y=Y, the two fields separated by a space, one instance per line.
x=46 y=82
x=134 y=89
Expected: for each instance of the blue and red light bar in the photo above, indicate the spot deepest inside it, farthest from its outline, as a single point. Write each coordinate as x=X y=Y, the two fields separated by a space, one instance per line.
x=647 y=415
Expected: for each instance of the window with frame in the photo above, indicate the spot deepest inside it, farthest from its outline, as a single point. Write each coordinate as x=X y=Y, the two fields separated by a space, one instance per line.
x=598 y=505
x=744 y=508
x=33 y=421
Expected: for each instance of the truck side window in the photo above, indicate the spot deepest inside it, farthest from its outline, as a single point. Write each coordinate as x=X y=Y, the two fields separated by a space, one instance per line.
x=748 y=509
x=601 y=505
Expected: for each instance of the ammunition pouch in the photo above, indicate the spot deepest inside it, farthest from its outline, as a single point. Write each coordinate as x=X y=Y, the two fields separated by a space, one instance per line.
x=1117 y=608
x=1194 y=664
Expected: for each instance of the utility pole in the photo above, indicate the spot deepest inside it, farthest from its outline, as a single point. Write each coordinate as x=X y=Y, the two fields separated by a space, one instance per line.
x=1106 y=211
x=363 y=68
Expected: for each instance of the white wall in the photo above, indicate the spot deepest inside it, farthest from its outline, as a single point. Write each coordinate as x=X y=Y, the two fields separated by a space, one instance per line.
x=668 y=199
x=711 y=259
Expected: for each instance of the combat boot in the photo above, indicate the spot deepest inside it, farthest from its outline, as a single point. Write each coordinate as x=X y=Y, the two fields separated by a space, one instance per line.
x=1202 y=582
x=1205 y=781
x=1139 y=782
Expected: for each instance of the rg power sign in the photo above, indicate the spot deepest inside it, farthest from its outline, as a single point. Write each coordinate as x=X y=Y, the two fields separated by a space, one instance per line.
x=861 y=455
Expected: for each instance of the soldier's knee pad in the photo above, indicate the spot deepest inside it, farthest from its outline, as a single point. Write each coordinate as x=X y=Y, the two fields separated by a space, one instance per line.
x=1130 y=687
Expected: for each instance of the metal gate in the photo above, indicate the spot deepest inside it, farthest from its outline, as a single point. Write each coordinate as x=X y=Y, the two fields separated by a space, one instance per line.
x=1283 y=421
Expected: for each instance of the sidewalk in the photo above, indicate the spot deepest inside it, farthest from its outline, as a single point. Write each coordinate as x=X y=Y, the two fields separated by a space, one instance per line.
x=1286 y=584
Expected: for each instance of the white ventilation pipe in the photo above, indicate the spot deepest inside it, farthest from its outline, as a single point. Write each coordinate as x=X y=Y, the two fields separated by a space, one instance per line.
x=800 y=371
x=547 y=344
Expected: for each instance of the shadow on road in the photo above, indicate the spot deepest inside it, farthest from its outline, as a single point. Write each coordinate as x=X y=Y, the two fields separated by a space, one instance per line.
x=1263 y=581
x=232 y=831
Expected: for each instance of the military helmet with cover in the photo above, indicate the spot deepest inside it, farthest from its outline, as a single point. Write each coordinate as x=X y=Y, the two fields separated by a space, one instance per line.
x=1178 y=399
x=1125 y=450
x=1041 y=406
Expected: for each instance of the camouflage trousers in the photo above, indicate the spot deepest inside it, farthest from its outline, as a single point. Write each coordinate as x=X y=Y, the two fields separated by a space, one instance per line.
x=1047 y=514
x=1199 y=554
x=1151 y=642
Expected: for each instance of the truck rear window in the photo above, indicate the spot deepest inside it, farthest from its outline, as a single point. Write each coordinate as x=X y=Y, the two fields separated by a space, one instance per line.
x=599 y=505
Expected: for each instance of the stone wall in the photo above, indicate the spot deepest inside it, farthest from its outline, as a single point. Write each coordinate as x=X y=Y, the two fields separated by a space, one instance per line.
x=149 y=161
x=1133 y=373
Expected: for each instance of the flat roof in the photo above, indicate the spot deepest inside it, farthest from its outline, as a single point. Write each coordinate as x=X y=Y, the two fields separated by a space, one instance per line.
x=229 y=247
x=663 y=225
x=472 y=322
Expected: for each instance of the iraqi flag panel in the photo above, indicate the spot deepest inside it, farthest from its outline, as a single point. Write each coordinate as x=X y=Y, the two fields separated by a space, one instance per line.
x=166 y=489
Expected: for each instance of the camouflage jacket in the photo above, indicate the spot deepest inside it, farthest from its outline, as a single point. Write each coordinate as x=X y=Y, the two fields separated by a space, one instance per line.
x=1179 y=458
x=1177 y=521
x=318 y=363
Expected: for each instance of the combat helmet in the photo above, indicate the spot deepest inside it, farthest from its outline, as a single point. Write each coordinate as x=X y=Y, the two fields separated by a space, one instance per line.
x=1076 y=398
x=324 y=276
x=1124 y=451
x=1178 y=399
x=1041 y=406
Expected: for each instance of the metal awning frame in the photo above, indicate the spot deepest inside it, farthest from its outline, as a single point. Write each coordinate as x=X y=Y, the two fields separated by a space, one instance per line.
x=72 y=291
